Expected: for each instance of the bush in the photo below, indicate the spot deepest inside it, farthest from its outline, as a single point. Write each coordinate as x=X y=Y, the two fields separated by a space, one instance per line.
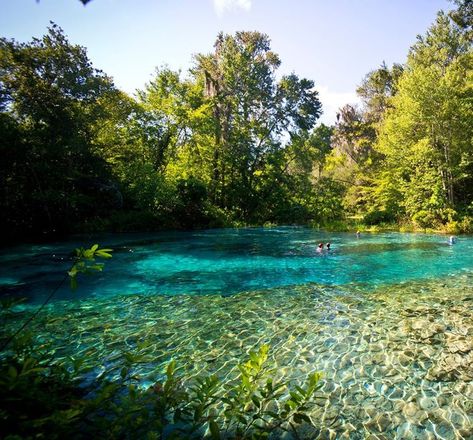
x=378 y=216
x=424 y=219
x=466 y=225
x=43 y=398
x=463 y=225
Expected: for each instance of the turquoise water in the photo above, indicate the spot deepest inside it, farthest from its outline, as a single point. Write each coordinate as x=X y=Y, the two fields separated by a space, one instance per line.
x=388 y=318
x=231 y=261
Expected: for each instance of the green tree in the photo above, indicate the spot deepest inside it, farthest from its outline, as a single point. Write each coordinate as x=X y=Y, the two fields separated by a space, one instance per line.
x=252 y=113
x=426 y=136
x=463 y=16
x=376 y=90
x=49 y=103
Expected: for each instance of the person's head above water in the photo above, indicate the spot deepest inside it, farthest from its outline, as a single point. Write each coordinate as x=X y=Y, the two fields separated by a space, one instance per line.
x=328 y=245
x=321 y=245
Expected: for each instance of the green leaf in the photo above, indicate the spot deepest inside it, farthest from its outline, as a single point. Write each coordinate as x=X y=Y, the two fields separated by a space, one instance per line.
x=97 y=267
x=214 y=430
x=246 y=382
x=301 y=391
x=302 y=417
x=101 y=253
x=272 y=414
x=171 y=368
x=88 y=254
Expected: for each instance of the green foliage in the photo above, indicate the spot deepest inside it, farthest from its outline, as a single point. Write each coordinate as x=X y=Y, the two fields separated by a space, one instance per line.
x=231 y=142
x=405 y=155
x=41 y=396
x=426 y=136
x=50 y=102
x=84 y=262
x=377 y=217
x=377 y=88
x=37 y=398
x=251 y=114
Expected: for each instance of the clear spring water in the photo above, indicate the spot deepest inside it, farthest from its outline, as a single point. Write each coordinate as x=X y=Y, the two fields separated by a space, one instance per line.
x=236 y=260
x=388 y=318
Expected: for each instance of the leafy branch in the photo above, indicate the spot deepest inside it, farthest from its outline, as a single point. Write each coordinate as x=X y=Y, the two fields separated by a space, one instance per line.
x=253 y=406
x=84 y=262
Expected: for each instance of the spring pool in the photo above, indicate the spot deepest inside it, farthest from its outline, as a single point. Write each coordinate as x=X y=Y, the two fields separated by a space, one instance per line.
x=230 y=261
x=388 y=318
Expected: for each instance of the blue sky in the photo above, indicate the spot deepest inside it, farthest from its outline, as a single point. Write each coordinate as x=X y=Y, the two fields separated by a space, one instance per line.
x=334 y=42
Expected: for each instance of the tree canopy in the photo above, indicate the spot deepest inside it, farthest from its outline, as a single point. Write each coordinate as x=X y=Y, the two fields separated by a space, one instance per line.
x=231 y=141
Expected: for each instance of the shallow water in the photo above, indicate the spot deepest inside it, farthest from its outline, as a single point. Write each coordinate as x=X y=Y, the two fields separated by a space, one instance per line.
x=388 y=318
x=230 y=261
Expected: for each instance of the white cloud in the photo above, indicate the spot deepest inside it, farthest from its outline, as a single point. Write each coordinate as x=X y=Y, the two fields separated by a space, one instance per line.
x=229 y=5
x=332 y=101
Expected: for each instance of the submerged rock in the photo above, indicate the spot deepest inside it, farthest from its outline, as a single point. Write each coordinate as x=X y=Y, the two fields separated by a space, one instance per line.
x=458 y=343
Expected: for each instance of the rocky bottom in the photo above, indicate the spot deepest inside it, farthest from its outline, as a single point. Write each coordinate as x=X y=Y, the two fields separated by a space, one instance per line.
x=397 y=361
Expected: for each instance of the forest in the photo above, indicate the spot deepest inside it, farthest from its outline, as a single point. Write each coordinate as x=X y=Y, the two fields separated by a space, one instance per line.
x=233 y=142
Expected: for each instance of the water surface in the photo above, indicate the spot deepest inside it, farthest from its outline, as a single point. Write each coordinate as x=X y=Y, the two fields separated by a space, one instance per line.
x=388 y=318
x=236 y=260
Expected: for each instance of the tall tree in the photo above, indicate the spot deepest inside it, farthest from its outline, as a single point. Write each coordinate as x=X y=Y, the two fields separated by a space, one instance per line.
x=49 y=97
x=252 y=114
x=376 y=89
x=463 y=16
x=427 y=134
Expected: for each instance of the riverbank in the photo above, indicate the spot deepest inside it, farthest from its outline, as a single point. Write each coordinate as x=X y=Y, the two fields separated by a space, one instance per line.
x=355 y=223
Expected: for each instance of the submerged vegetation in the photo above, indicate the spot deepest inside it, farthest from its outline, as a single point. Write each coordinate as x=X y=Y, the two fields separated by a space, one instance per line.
x=231 y=144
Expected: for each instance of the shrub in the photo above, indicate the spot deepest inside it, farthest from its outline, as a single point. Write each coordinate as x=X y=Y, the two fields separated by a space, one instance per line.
x=423 y=219
x=378 y=216
x=466 y=224
x=44 y=398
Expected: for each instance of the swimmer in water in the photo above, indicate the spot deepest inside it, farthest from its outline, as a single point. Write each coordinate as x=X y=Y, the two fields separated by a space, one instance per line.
x=320 y=247
x=358 y=234
x=328 y=246
x=452 y=240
